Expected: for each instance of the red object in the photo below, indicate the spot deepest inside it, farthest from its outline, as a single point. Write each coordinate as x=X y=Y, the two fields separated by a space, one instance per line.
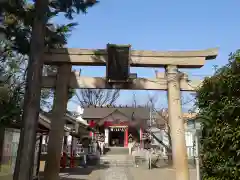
x=126 y=138
x=64 y=160
x=92 y=123
x=109 y=123
x=72 y=160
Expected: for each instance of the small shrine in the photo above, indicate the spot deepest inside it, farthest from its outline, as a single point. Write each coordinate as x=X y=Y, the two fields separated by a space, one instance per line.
x=117 y=124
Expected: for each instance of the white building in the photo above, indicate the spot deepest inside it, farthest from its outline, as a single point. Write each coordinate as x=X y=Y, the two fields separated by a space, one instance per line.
x=190 y=126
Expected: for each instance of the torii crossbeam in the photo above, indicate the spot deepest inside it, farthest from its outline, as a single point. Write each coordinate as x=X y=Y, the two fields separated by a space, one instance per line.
x=98 y=57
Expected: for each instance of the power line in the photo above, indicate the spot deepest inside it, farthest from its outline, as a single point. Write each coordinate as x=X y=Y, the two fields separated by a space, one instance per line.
x=189 y=101
x=200 y=75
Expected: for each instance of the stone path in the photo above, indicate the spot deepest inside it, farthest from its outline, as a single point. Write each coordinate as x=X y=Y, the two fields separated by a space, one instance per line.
x=119 y=168
x=115 y=173
x=121 y=173
x=156 y=174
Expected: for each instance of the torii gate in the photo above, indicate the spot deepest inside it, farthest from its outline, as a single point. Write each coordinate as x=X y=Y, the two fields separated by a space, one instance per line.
x=171 y=81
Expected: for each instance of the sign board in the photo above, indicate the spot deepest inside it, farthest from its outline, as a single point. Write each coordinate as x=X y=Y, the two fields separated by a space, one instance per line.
x=117 y=129
x=118 y=67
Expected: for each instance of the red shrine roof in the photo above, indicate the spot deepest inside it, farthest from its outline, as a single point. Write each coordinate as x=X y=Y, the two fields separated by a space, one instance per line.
x=102 y=112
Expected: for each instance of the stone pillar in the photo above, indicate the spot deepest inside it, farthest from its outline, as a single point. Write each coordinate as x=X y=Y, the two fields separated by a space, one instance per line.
x=56 y=134
x=106 y=141
x=64 y=153
x=179 y=150
x=74 y=146
x=126 y=137
x=140 y=137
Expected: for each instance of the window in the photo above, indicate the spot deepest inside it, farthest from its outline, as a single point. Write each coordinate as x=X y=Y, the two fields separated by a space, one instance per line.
x=191 y=124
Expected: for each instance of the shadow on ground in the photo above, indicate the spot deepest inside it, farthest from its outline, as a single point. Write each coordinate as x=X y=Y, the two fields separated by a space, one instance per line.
x=79 y=173
x=163 y=163
x=83 y=170
x=160 y=163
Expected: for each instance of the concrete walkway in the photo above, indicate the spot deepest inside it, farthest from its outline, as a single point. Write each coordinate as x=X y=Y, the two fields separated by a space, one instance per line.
x=120 y=167
x=157 y=174
x=122 y=173
x=116 y=167
x=117 y=173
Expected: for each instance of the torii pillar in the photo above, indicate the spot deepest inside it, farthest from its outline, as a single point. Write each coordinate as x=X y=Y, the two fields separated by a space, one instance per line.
x=52 y=168
x=179 y=150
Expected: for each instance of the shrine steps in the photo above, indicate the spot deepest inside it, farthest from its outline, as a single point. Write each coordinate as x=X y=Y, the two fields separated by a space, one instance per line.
x=117 y=160
x=116 y=151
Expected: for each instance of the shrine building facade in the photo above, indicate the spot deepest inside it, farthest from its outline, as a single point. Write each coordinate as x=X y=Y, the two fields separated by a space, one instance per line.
x=117 y=124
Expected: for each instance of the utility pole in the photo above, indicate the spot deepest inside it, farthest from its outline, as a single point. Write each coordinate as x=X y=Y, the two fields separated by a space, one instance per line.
x=150 y=124
x=25 y=156
x=197 y=155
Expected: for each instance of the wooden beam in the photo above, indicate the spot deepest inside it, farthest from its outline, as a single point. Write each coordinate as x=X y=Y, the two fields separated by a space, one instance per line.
x=98 y=57
x=77 y=82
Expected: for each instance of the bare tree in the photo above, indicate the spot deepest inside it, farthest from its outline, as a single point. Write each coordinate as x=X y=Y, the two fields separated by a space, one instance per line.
x=161 y=121
x=97 y=97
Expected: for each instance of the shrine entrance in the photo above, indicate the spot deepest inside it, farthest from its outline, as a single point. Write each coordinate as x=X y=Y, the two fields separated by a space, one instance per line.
x=116 y=136
x=135 y=133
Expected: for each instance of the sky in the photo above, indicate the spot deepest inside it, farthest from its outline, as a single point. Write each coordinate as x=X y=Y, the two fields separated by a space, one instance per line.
x=158 y=25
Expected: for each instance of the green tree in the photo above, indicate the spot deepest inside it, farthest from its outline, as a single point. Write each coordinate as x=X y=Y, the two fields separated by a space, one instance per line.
x=29 y=27
x=14 y=50
x=28 y=31
x=218 y=100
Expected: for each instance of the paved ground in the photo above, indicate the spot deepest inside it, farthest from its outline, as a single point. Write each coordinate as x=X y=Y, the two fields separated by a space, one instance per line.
x=111 y=169
x=121 y=173
x=160 y=174
x=117 y=173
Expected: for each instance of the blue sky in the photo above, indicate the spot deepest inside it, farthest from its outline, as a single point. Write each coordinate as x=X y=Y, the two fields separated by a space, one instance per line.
x=158 y=25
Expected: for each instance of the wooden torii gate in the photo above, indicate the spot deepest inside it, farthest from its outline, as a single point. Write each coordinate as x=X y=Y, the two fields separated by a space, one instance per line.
x=172 y=81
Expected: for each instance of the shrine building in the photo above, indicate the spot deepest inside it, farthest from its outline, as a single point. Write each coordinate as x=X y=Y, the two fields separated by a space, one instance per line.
x=117 y=124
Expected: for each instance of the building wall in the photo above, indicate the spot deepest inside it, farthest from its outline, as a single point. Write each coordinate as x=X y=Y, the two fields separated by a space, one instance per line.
x=189 y=138
x=10 y=147
x=116 y=116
